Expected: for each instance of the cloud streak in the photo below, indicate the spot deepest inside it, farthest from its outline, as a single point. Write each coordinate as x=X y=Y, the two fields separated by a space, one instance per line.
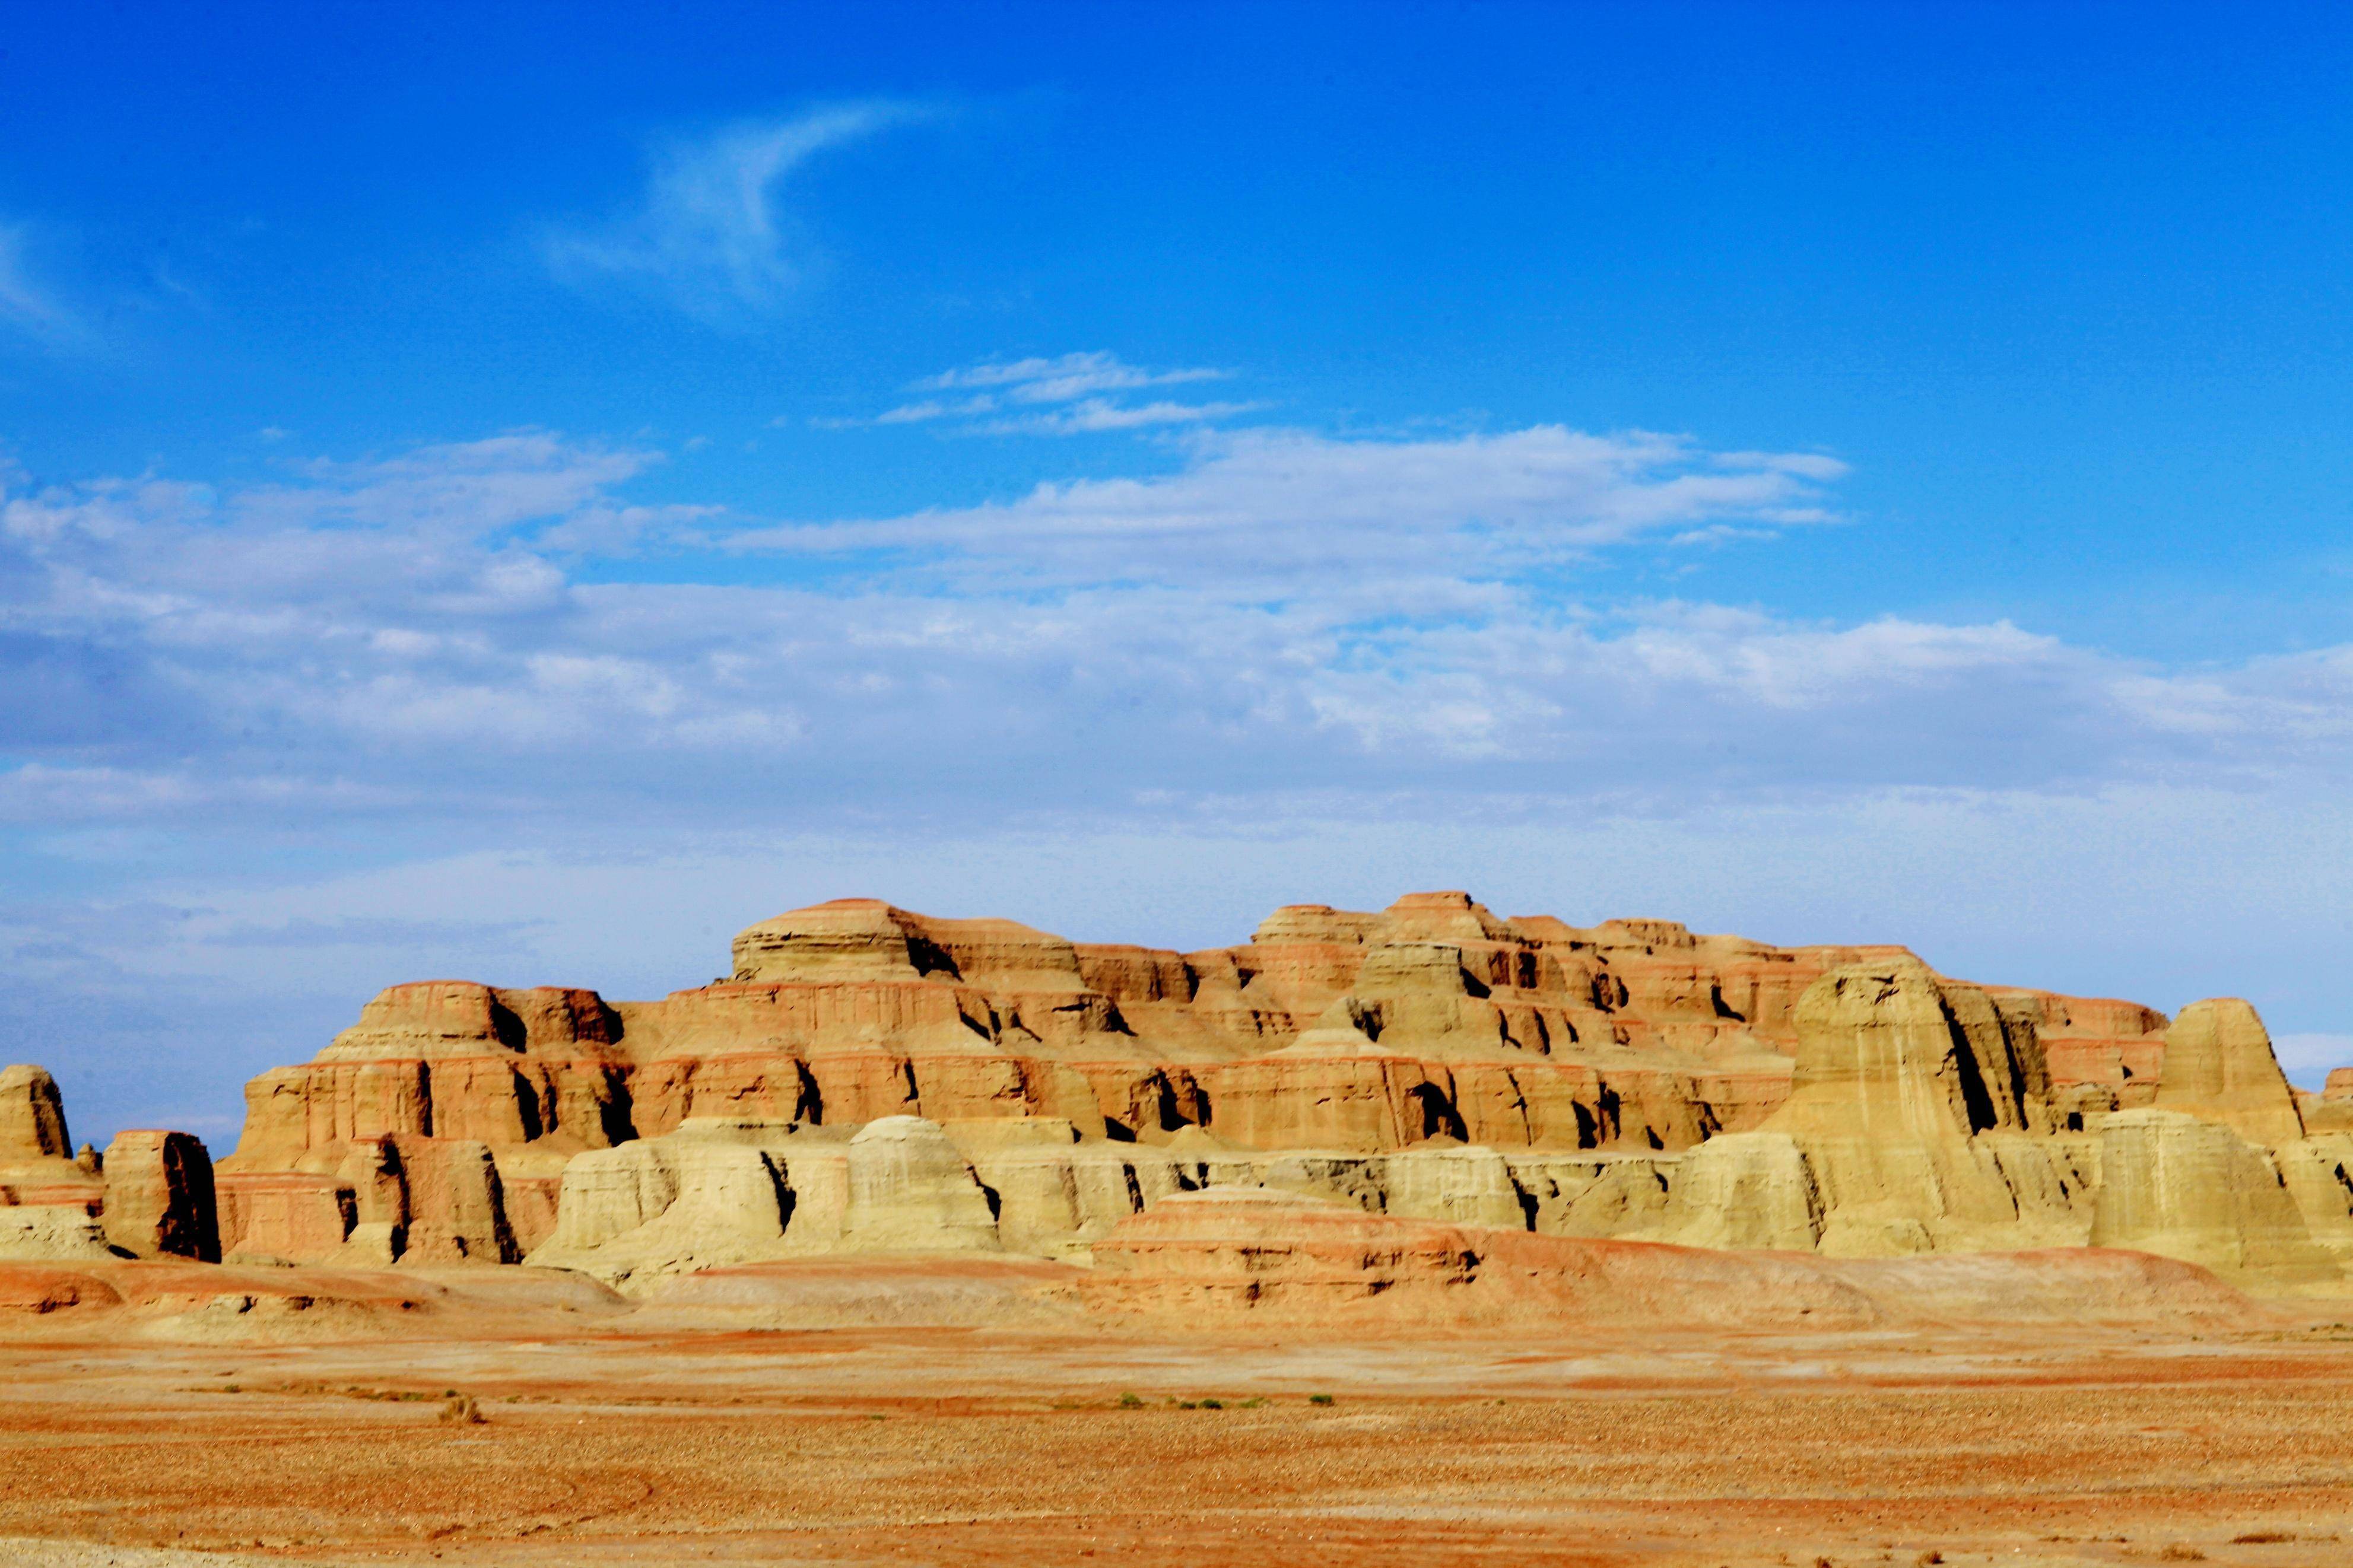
x=711 y=235
x=28 y=310
x=1069 y=395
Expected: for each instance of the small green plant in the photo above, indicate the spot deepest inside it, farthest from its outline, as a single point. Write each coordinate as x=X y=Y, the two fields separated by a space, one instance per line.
x=1130 y=1402
x=1319 y=1399
x=1213 y=1404
x=1186 y=1405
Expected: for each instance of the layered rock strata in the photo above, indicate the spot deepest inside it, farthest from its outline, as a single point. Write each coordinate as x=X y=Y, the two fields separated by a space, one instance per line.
x=867 y=1078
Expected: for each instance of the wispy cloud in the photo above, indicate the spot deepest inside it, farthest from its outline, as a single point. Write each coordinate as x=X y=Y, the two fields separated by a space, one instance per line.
x=432 y=634
x=28 y=308
x=1069 y=395
x=711 y=235
x=1293 y=513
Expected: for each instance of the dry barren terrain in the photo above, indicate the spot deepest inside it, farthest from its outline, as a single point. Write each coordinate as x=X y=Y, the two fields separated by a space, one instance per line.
x=989 y=1426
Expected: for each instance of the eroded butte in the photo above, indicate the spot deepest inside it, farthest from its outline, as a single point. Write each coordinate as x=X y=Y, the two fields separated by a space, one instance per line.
x=1418 y=1236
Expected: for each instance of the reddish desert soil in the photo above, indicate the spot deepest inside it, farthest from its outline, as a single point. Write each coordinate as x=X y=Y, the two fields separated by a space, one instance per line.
x=614 y=1436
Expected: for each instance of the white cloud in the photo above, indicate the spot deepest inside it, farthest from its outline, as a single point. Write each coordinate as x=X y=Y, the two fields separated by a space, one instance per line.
x=709 y=235
x=1098 y=414
x=1063 y=378
x=1285 y=612
x=1303 y=515
x=1069 y=395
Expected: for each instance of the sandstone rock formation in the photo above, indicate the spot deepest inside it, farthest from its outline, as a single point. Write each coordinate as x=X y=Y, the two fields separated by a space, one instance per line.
x=155 y=1197
x=1919 y=1121
x=2184 y=1187
x=32 y=1117
x=1204 y=1260
x=869 y=1080
x=2219 y=1067
x=159 y=1197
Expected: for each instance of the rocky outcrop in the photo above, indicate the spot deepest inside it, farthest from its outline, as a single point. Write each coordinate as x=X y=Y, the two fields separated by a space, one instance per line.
x=2193 y=1189
x=32 y=1117
x=151 y=1195
x=393 y=1198
x=865 y=1080
x=2220 y=1068
x=1227 y=1258
x=1746 y=1190
x=1919 y=1121
x=159 y=1197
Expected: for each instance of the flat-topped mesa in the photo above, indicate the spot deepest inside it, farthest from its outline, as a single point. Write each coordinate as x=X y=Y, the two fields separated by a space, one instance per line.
x=844 y=941
x=1316 y=924
x=450 y=1059
x=1432 y=1056
x=854 y=940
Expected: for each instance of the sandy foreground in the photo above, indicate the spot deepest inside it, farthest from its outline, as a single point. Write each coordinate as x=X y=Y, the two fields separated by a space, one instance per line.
x=786 y=1424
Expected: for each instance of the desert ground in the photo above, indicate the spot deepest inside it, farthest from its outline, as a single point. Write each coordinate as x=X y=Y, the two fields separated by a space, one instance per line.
x=961 y=1411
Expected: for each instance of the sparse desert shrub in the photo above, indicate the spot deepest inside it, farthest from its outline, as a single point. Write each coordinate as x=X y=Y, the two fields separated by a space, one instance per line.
x=1213 y=1404
x=1130 y=1402
x=2261 y=1537
x=461 y=1411
x=1931 y=1556
x=1319 y=1399
x=2181 y=1551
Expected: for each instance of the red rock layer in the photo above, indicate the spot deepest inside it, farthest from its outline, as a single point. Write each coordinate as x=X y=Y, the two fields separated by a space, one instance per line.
x=1329 y=1029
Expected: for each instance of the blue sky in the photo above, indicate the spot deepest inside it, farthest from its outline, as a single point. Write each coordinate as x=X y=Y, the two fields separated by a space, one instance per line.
x=523 y=493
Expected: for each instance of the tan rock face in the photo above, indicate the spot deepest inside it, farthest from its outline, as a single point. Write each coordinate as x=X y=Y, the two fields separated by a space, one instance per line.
x=2219 y=1067
x=2185 y=1187
x=32 y=1117
x=151 y=1195
x=159 y=1197
x=1920 y=1122
x=1431 y=1061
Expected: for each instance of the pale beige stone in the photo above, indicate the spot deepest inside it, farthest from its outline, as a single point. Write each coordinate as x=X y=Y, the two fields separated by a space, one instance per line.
x=2192 y=1189
x=2220 y=1066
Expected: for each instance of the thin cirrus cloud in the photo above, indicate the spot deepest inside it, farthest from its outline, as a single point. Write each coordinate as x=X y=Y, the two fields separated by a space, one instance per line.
x=29 y=310
x=1068 y=394
x=1313 y=518
x=711 y=234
